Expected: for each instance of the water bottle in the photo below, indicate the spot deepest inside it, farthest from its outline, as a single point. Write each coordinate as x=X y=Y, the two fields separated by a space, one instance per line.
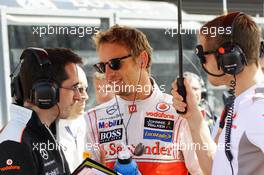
x=125 y=165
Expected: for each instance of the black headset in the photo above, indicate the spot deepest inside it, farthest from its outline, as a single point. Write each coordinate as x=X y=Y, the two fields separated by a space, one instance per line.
x=230 y=57
x=45 y=91
x=261 y=50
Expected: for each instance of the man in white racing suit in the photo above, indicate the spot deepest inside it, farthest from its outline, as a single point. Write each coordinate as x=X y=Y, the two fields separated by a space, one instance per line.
x=140 y=111
x=231 y=60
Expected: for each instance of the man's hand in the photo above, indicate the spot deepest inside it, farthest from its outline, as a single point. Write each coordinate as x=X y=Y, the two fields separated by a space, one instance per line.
x=179 y=105
x=102 y=154
x=198 y=127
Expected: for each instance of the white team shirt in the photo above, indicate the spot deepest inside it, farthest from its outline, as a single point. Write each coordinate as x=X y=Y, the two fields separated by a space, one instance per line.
x=247 y=136
x=71 y=136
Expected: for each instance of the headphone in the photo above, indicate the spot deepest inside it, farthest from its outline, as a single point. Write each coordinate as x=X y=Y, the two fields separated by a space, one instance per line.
x=261 y=50
x=44 y=92
x=230 y=56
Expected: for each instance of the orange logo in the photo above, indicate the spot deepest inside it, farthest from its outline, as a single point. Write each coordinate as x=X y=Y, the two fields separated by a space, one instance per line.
x=9 y=166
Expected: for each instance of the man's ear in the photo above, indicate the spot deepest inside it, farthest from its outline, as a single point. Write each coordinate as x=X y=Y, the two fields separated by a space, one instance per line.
x=143 y=59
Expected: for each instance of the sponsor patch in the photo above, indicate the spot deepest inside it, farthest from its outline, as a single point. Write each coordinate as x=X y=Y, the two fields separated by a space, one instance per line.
x=10 y=166
x=154 y=149
x=111 y=117
x=9 y=161
x=112 y=109
x=160 y=115
x=132 y=108
x=44 y=154
x=53 y=172
x=157 y=135
x=110 y=123
x=158 y=123
x=49 y=163
x=162 y=107
x=111 y=135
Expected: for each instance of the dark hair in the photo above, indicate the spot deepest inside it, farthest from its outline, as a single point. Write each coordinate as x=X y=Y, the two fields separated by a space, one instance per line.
x=31 y=71
x=246 y=34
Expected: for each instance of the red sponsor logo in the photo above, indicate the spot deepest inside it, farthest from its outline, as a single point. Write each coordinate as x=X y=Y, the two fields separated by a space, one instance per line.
x=203 y=113
x=162 y=107
x=132 y=108
x=234 y=126
x=6 y=168
x=234 y=116
x=156 y=149
x=160 y=115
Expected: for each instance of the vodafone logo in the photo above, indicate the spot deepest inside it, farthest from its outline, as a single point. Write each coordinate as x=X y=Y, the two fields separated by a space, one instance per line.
x=9 y=161
x=162 y=107
x=9 y=166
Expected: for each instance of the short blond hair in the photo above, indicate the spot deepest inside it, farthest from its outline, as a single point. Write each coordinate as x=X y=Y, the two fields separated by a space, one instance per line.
x=133 y=39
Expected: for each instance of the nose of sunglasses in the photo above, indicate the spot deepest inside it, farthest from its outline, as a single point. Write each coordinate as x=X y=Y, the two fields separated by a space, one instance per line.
x=99 y=68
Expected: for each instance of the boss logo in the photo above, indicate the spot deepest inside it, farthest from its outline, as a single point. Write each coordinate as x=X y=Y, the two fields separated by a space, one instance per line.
x=112 y=135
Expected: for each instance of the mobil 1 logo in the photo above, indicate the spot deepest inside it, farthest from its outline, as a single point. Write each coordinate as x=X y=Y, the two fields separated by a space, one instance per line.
x=112 y=135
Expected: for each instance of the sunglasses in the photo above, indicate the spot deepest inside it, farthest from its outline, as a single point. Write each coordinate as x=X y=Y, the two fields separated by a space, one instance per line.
x=114 y=64
x=201 y=54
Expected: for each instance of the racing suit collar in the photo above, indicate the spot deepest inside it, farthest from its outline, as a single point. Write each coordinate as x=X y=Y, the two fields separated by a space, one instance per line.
x=20 y=114
x=26 y=116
